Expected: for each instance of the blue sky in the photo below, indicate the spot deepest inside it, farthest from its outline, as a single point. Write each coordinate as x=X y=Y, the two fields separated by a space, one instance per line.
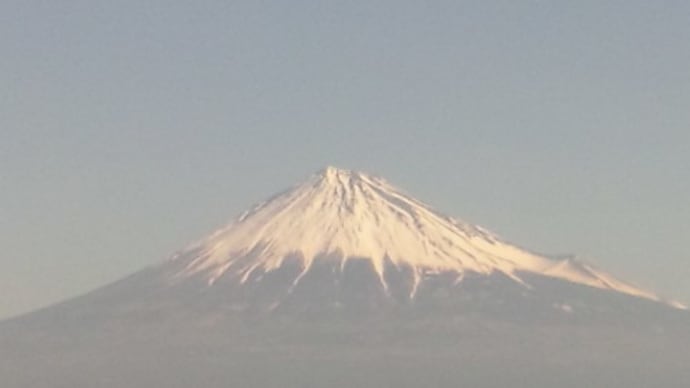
x=128 y=130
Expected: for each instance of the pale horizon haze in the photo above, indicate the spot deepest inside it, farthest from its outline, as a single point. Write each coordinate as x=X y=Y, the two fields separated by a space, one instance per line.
x=129 y=130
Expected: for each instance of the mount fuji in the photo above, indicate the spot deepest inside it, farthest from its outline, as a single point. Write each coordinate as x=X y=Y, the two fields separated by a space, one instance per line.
x=346 y=280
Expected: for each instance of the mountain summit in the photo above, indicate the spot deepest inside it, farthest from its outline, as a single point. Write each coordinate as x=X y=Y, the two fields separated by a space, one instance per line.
x=342 y=229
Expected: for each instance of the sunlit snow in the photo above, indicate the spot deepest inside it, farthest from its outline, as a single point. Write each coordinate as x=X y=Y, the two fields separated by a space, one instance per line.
x=355 y=216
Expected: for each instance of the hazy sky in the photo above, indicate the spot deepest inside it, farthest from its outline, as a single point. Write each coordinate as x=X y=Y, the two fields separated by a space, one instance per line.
x=129 y=129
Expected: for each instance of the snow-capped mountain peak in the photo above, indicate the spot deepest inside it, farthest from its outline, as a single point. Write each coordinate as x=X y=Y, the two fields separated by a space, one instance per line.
x=340 y=216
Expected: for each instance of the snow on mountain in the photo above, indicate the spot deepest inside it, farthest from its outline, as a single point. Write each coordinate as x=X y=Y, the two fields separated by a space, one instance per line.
x=345 y=216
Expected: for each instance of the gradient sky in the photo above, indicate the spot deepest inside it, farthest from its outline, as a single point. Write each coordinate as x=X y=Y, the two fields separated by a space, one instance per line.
x=128 y=130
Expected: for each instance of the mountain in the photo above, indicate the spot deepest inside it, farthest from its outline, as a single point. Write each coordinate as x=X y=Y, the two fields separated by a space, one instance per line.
x=346 y=280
